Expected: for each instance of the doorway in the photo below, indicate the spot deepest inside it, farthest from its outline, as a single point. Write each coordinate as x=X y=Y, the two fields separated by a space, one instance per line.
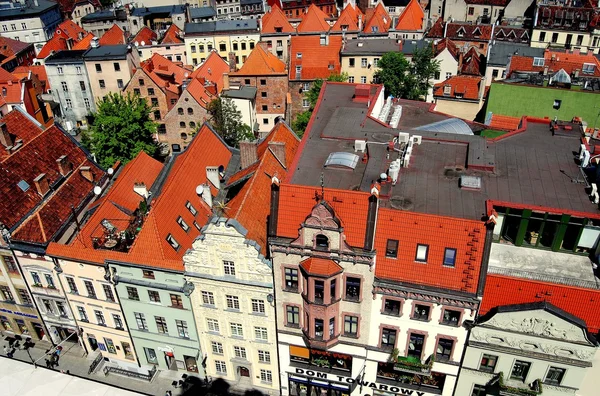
x=39 y=330
x=170 y=361
x=93 y=343
x=244 y=372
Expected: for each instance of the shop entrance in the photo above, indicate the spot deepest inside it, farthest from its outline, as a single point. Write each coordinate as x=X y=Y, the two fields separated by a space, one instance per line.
x=301 y=386
x=93 y=343
x=39 y=330
x=244 y=372
x=170 y=361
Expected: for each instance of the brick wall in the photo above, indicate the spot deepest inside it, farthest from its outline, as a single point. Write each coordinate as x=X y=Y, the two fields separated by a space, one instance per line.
x=297 y=97
x=182 y=134
x=134 y=84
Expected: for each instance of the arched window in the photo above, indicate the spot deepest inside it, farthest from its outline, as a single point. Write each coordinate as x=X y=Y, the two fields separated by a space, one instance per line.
x=322 y=242
x=182 y=124
x=192 y=125
x=184 y=136
x=190 y=111
x=180 y=111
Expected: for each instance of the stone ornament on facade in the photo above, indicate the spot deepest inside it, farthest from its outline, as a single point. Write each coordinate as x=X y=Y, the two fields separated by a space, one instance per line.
x=426 y=297
x=536 y=326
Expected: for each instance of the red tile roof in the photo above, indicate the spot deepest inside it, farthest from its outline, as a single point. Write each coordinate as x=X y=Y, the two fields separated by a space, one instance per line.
x=437 y=30
x=502 y=290
x=296 y=204
x=446 y=43
x=462 y=31
x=504 y=122
x=66 y=30
x=12 y=85
x=275 y=21
x=68 y=5
x=313 y=21
x=378 y=20
x=261 y=63
x=555 y=61
x=320 y=267
x=471 y=63
x=172 y=36
x=317 y=61
x=145 y=35
x=511 y=34
x=166 y=74
x=10 y=47
x=348 y=17
x=31 y=217
x=411 y=19
x=498 y=3
x=465 y=86
x=113 y=36
x=198 y=91
x=438 y=233
x=212 y=69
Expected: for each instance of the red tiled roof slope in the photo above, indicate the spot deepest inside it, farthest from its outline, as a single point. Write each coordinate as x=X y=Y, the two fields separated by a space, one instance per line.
x=439 y=233
x=275 y=21
x=166 y=74
x=261 y=63
x=412 y=18
x=320 y=267
x=446 y=43
x=212 y=69
x=463 y=31
x=437 y=30
x=471 y=63
x=113 y=36
x=66 y=30
x=348 y=17
x=198 y=90
x=313 y=21
x=10 y=47
x=467 y=86
x=172 y=36
x=13 y=87
x=317 y=61
x=84 y=43
x=504 y=122
x=378 y=20
x=555 y=61
x=145 y=35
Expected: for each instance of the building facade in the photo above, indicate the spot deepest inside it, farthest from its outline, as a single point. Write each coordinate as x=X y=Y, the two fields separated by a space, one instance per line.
x=110 y=67
x=100 y=22
x=570 y=28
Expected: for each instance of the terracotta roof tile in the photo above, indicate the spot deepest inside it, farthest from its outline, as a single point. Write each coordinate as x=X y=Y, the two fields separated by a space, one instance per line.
x=84 y=43
x=438 y=233
x=472 y=63
x=446 y=43
x=145 y=35
x=261 y=63
x=317 y=61
x=379 y=21
x=275 y=21
x=212 y=69
x=465 y=86
x=113 y=36
x=66 y=30
x=11 y=87
x=411 y=18
x=10 y=47
x=348 y=17
x=511 y=34
x=504 y=122
x=502 y=290
x=320 y=267
x=166 y=74
x=313 y=21
x=499 y=3
x=554 y=61
x=463 y=31
x=437 y=30
x=199 y=92
x=172 y=36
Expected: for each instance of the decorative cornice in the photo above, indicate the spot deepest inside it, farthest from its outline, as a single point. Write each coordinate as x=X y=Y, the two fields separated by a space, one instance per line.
x=352 y=257
x=427 y=297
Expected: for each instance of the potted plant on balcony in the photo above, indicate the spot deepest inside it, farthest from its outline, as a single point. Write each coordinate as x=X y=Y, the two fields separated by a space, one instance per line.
x=321 y=362
x=393 y=355
x=533 y=389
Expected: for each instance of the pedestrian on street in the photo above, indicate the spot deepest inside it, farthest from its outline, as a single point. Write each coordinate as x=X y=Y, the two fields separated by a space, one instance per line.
x=5 y=350
x=11 y=353
x=48 y=364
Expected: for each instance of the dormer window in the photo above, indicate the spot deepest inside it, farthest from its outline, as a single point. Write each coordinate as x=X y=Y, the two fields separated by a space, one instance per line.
x=447 y=89
x=174 y=244
x=344 y=28
x=588 y=68
x=461 y=32
x=322 y=242
x=278 y=29
x=183 y=224
x=298 y=55
x=476 y=32
x=538 y=61
x=374 y=29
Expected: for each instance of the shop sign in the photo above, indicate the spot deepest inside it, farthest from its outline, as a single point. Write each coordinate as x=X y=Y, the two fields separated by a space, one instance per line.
x=363 y=383
x=8 y=311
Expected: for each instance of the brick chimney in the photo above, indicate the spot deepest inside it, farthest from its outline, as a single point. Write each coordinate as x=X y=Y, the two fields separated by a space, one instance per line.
x=64 y=165
x=41 y=183
x=87 y=174
x=278 y=150
x=248 y=154
x=225 y=80
x=5 y=137
x=232 y=63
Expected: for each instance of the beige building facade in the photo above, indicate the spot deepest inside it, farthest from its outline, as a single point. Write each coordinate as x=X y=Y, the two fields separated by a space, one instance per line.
x=110 y=68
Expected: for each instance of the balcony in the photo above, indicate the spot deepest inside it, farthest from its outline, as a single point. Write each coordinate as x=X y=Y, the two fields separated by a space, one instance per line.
x=516 y=388
x=411 y=364
x=432 y=383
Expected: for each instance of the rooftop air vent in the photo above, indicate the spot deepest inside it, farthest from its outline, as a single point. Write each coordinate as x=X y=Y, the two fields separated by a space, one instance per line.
x=342 y=159
x=470 y=182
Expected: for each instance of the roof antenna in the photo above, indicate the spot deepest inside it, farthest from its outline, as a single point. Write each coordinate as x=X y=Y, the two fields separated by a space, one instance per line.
x=322 y=187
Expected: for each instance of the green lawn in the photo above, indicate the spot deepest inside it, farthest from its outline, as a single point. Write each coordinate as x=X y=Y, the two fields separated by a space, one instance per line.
x=491 y=133
x=519 y=100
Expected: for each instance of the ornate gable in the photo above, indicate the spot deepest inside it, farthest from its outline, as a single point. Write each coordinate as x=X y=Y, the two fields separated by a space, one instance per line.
x=323 y=217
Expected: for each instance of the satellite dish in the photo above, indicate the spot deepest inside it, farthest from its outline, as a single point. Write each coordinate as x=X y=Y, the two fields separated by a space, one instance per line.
x=186 y=75
x=143 y=43
x=137 y=44
x=97 y=190
x=111 y=171
x=200 y=189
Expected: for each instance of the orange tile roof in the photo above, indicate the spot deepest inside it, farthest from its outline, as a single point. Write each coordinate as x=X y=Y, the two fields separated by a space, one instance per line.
x=317 y=61
x=261 y=63
x=12 y=85
x=446 y=43
x=66 y=30
x=555 y=61
x=438 y=233
x=199 y=92
x=69 y=29
x=275 y=21
x=463 y=31
x=113 y=36
x=84 y=43
x=320 y=267
x=166 y=74
x=10 y=47
x=172 y=36
x=296 y=204
x=467 y=86
x=379 y=21
x=313 y=21
x=437 y=30
x=212 y=69
x=412 y=17
x=472 y=63
x=145 y=35
x=348 y=17
x=504 y=122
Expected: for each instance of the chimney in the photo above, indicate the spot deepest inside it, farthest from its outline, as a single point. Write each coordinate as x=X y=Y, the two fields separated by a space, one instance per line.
x=481 y=88
x=94 y=42
x=232 y=64
x=360 y=21
x=576 y=73
x=212 y=174
x=64 y=165
x=461 y=55
x=5 y=137
x=545 y=70
x=41 y=183
x=225 y=80
x=87 y=174
x=141 y=190
x=206 y=195
x=278 y=150
x=248 y=154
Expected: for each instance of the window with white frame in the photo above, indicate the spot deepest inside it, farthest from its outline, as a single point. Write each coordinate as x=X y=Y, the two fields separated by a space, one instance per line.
x=140 y=319
x=538 y=61
x=233 y=302
x=182 y=328
x=221 y=367
x=351 y=79
x=86 y=102
x=208 y=298
x=237 y=330
x=59 y=70
x=266 y=375
x=68 y=103
x=82 y=314
x=213 y=325
x=258 y=306
x=363 y=62
x=217 y=347
x=229 y=268
x=64 y=86
x=363 y=79
x=264 y=356
x=421 y=254
x=305 y=103
x=189 y=207
x=239 y=352
x=261 y=333
x=183 y=224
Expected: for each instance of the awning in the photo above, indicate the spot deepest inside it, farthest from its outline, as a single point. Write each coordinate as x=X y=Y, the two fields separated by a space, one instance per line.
x=299 y=352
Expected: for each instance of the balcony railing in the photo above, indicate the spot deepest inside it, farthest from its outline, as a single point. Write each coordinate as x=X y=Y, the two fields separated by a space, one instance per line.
x=517 y=389
x=414 y=365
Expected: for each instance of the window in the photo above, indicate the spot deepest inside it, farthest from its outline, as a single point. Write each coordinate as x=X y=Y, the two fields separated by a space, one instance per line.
x=265 y=121
x=542 y=36
x=229 y=268
x=538 y=61
x=174 y=244
x=388 y=338
x=192 y=125
x=154 y=296
x=251 y=43
x=421 y=312
x=266 y=376
x=150 y=91
x=298 y=55
x=444 y=350
x=151 y=356
x=102 y=83
x=236 y=329
x=415 y=345
x=363 y=79
x=258 y=306
x=108 y=293
x=449 y=257
x=391 y=248
x=157 y=117
x=291 y=279
x=132 y=293
x=110 y=346
x=331 y=327
x=136 y=91
x=154 y=102
x=318 y=328
x=119 y=83
x=213 y=325
x=263 y=82
x=554 y=37
x=391 y=307
x=182 y=328
x=82 y=86
x=235 y=46
x=118 y=321
x=488 y=363
x=89 y=287
x=233 y=302
x=588 y=68
x=422 y=253
x=59 y=69
x=182 y=125
x=351 y=326
x=319 y=291
x=495 y=73
x=264 y=356
x=148 y=274
x=332 y=290
x=322 y=242
x=479 y=390
x=217 y=347
x=448 y=75
x=221 y=367
x=265 y=108
x=520 y=370
x=351 y=62
x=11 y=265
x=64 y=86
x=305 y=103
x=192 y=210
x=68 y=103
x=6 y=294
x=98 y=68
x=100 y=318
x=261 y=333
x=141 y=82
x=82 y=314
x=222 y=47
x=36 y=279
x=117 y=66
x=61 y=309
x=451 y=318
x=239 y=352
x=554 y=375
x=351 y=79
x=208 y=298
x=363 y=62
x=376 y=62
x=305 y=87
x=24 y=295
x=352 y=289
x=176 y=301
x=72 y=285
x=293 y=315
x=161 y=324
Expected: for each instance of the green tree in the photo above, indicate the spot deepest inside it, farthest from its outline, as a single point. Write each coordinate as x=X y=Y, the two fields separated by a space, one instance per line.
x=394 y=74
x=227 y=121
x=301 y=122
x=424 y=68
x=313 y=93
x=121 y=129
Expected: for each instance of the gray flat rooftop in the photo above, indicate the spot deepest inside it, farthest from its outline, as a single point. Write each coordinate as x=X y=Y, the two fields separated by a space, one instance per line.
x=542 y=265
x=107 y=52
x=534 y=167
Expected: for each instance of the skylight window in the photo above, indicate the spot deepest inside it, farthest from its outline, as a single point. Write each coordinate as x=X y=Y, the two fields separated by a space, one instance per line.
x=174 y=244
x=538 y=61
x=23 y=185
x=341 y=159
x=192 y=210
x=183 y=224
